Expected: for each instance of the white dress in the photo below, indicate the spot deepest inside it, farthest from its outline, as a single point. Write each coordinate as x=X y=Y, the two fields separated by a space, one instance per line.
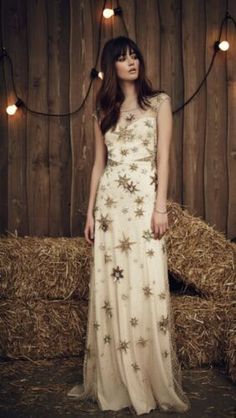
x=130 y=355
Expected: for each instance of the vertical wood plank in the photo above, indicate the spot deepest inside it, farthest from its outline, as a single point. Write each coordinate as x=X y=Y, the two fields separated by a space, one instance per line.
x=80 y=66
x=215 y=171
x=172 y=82
x=231 y=140
x=37 y=126
x=59 y=128
x=14 y=12
x=4 y=139
x=193 y=15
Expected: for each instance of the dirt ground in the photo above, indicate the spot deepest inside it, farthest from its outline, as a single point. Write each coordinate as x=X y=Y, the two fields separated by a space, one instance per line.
x=39 y=390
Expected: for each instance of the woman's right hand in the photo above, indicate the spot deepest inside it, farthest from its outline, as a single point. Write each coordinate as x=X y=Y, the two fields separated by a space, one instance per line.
x=89 y=229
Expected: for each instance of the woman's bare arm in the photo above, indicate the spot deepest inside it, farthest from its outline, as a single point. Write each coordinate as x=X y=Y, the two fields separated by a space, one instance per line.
x=98 y=166
x=165 y=122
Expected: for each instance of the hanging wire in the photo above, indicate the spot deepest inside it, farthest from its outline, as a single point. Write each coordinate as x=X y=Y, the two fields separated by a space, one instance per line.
x=4 y=54
x=224 y=20
x=22 y=103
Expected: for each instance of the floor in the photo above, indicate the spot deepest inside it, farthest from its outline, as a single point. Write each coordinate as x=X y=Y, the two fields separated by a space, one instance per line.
x=39 y=390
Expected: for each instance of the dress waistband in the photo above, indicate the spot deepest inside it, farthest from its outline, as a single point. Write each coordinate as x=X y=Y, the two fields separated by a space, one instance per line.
x=140 y=160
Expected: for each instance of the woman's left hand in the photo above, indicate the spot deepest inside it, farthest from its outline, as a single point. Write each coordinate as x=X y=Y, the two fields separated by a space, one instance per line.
x=159 y=224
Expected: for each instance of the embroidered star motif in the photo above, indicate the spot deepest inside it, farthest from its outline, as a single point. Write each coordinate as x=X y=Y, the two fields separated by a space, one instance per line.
x=147 y=291
x=165 y=353
x=117 y=273
x=133 y=167
x=132 y=187
x=104 y=222
x=150 y=253
x=125 y=244
x=96 y=325
x=154 y=179
x=139 y=200
x=107 y=339
x=139 y=212
x=145 y=142
x=123 y=180
x=163 y=324
x=163 y=248
x=107 y=258
x=124 y=345
x=124 y=152
x=135 y=367
x=134 y=321
x=162 y=295
x=108 y=308
x=109 y=202
x=148 y=235
x=142 y=341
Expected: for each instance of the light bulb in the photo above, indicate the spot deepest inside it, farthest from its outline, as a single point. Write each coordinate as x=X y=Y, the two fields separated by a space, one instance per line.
x=107 y=13
x=11 y=110
x=100 y=75
x=224 y=45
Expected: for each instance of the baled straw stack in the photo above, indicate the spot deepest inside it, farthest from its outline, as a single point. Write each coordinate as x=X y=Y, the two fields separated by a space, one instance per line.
x=44 y=268
x=200 y=330
x=39 y=329
x=230 y=345
x=199 y=255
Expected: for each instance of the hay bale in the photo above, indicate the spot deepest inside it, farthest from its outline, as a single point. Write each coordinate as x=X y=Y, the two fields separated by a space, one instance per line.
x=230 y=346
x=45 y=329
x=200 y=330
x=42 y=329
x=44 y=268
x=199 y=255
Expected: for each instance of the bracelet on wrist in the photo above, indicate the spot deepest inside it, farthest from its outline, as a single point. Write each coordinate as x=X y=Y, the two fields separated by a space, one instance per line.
x=160 y=211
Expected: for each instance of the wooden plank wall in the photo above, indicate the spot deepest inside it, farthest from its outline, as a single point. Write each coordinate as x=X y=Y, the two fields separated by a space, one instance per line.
x=45 y=162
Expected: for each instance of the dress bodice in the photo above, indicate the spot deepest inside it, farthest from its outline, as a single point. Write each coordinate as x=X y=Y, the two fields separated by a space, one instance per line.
x=135 y=140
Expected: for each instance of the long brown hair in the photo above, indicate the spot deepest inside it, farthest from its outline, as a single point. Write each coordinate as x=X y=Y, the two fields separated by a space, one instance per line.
x=110 y=95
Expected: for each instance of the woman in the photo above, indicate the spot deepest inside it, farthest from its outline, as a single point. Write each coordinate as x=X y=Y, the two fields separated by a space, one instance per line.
x=130 y=358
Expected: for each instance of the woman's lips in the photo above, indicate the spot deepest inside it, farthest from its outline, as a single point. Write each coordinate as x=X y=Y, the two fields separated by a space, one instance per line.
x=132 y=71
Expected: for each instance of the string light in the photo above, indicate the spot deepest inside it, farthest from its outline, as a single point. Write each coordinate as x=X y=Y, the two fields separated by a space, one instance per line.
x=11 y=109
x=107 y=13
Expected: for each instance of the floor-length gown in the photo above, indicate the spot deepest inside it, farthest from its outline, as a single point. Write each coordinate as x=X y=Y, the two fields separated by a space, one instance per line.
x=130 y=354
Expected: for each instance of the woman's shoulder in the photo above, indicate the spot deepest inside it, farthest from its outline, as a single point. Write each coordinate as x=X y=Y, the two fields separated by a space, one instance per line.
x=158 y=99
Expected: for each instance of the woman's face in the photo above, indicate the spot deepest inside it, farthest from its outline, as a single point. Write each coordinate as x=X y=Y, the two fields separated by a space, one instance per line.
x=127 y=66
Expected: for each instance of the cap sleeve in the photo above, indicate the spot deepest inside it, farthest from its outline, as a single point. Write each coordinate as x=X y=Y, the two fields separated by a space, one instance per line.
x=158 y=100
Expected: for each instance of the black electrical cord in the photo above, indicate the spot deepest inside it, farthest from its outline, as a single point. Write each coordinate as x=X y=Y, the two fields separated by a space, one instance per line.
x=21 y=102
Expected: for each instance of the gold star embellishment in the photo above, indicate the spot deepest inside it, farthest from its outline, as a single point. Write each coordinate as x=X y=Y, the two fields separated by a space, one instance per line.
x=142 y=342
x=139 y=200
x=139 y=212
x=123 y=180
x=108 y=308
x=132 y=187
x=124 y=152
x=154 y=180
x=148 y=235
x=134 y=321
x=165 y=353
x=96 y=325
x=124 y=345
x=125 y=244
x=135 y=367
x=110 y=202
x=162 y=295
x=107 y=258
x=163 y=248
x=163 y=324
x=147 y=291
x=104 y=222
x=107 y=339
x=150 y=253
x=117 y=273
x=133 y=167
